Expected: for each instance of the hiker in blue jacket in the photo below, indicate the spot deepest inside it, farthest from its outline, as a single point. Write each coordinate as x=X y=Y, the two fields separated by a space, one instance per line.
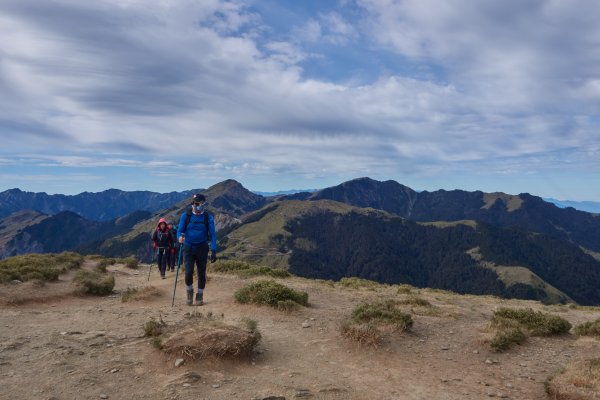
x=196 y=229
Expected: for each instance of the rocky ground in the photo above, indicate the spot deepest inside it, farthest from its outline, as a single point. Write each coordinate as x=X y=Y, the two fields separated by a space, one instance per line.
x=58 y=346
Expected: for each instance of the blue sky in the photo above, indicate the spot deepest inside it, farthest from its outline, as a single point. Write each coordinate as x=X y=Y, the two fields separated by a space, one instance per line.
x=174 y=95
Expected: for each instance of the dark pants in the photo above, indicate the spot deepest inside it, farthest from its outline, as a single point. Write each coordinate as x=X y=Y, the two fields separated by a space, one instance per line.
x=162 y=258
x=173 y=257
x=199 y=255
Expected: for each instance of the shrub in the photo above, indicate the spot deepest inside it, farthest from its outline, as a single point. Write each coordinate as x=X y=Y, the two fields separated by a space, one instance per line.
x=504 y=339
x=92 y=282
x=382 y=313
x=357 y=283
x=591 y=328
x=154 y=328
x=43 y=267
x=364 y=334
x=242 y=268
x=536 y=323
x=287 y=305
x=131 y=262
x=270 y=293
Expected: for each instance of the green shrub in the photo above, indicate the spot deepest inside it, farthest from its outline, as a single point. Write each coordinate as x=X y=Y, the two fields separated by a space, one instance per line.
x=93 y=282
x=357 y=283
x=504 y=339
x=287 y=305
x=131 y=262
x=245 y=269
x=385 y=312
x=536 y=323
x=43 y=267
x=591 y=328
x=270 y=293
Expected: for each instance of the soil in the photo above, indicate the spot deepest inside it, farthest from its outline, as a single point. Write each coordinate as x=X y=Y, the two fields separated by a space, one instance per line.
x=54 y=345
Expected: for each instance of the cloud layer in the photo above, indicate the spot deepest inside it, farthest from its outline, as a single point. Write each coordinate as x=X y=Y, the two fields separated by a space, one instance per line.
x=220 y=87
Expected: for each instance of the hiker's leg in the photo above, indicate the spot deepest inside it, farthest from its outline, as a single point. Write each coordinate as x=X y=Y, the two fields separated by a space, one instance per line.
x=189 y=259
x=202 y=258
x=163 y=263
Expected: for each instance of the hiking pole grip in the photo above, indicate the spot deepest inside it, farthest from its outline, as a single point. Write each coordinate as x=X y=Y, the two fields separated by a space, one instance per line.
x=177 y=273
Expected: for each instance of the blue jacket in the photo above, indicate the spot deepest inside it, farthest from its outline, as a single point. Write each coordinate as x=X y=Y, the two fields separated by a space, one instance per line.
x=195 y=233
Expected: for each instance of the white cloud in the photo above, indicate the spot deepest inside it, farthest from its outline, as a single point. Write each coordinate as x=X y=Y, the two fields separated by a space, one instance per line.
x=189 y=82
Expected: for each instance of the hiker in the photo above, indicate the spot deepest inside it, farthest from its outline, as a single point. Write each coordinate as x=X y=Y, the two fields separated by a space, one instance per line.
x=175 y=248
x=196 y=229
x=162 y=241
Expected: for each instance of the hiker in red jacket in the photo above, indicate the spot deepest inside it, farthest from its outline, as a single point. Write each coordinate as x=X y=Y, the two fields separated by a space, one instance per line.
x=162 y=240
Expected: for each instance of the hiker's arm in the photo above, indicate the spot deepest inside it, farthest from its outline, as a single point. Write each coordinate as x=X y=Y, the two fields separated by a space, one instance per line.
x=213 y=232
x=180 y=232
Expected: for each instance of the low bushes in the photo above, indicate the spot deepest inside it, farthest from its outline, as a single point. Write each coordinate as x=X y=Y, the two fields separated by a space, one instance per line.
x=513 y=325
x=244 y=269
x=42 y=267
x=580 y=380
x=93 y=282
x=591 y=328
x=368 y=321
x=270 y=293
x=357 y=283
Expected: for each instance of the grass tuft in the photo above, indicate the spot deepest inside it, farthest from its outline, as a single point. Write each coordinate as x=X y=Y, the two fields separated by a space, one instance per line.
x=135 y=294
x=244 y=269
x=415 y=301
x=42 y=267
x=504 y=339
x=536 y=323
x=93 y=282
x=270 y=293
x=357 y=283
x=385 y=312
x=154 y=328
x=591 y=328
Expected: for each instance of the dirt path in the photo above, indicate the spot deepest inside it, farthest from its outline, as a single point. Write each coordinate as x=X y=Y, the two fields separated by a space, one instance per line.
x=81 y=348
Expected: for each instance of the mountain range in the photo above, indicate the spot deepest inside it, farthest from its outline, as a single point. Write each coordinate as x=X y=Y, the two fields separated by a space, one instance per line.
x=469 y=242
x=100 y=206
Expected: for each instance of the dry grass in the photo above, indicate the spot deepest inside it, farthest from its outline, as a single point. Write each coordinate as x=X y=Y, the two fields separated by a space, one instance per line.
x=579 y=381
x=358 y=283
x=368 y=322
x=212 y=338
x=135 y=294
x=94 y=283
x=591 y=328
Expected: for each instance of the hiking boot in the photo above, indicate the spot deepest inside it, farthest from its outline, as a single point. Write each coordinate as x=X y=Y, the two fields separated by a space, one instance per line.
x=190 y=298
x=162 y=276
x=199 y=297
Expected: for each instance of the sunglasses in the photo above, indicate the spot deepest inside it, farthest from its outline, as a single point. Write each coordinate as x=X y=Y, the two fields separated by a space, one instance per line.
x=197 y=204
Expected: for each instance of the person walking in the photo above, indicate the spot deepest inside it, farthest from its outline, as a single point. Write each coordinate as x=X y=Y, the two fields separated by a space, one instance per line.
x=175 y=249
x=162 y=242
x=195 y=231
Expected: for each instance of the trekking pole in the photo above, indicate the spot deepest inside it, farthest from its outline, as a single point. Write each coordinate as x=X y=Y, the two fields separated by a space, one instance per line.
x=177 y=273
x=150 y=267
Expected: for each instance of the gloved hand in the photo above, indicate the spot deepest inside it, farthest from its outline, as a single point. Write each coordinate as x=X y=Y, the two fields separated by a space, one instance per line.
x=181 y=239
x=153 y=245
x=172 y=250
x=213 y=256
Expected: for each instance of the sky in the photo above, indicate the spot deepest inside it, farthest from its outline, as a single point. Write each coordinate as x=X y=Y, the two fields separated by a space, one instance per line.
x=285 y=94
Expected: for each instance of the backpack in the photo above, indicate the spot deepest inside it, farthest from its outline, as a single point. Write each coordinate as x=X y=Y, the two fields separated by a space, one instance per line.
x=188 y=217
